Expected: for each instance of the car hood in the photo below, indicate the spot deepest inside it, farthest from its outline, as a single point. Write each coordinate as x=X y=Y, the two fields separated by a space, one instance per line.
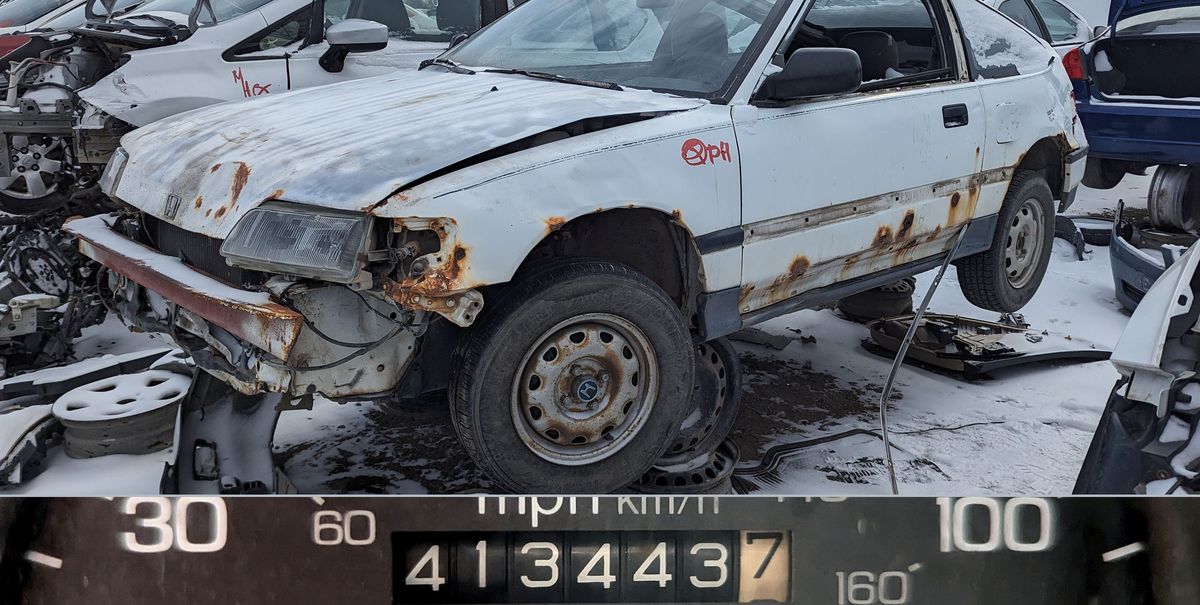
x=347 y=146
x=1119 y=10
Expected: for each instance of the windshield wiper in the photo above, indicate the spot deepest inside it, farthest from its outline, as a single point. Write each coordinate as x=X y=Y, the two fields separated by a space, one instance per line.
x=541 y=75
x=448 y=64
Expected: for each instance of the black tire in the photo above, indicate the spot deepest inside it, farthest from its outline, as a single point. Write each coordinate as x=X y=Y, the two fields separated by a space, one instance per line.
x=877 y=303
x=985 y=277
x=26 y=207
x=1102 y=174
x=537 y=307
x=716 y=397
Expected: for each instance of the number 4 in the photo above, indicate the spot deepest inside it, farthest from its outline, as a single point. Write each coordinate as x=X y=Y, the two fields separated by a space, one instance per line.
x=602 y=557
x=430 y=560
x=659 y=554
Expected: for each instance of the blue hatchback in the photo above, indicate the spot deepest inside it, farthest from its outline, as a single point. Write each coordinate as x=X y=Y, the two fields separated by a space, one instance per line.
x=1137 y=89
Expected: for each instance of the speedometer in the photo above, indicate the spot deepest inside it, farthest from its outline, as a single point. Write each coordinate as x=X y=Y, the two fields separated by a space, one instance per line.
x=492 y=550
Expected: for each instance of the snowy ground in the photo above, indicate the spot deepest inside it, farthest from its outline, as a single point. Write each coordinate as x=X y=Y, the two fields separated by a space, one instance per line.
x=1021 y=431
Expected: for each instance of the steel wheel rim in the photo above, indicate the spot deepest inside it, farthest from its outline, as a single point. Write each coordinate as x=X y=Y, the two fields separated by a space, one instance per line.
x=1024 y=244
x=585 y=389
x=32 y=167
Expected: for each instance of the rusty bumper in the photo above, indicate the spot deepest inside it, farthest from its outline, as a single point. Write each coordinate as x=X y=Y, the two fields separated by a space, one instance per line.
x=251 y=316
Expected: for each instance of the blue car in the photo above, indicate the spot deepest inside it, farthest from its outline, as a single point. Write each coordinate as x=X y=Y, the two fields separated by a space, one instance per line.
x=1137 y=87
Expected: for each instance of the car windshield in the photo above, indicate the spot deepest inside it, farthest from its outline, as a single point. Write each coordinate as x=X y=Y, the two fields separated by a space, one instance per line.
x=21 y=12
x=78 y=15
x=224 y=9
x=683 y=46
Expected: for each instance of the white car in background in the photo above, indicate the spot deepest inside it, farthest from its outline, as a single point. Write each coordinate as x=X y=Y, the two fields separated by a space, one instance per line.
x=1051 y=20
x=108 y=76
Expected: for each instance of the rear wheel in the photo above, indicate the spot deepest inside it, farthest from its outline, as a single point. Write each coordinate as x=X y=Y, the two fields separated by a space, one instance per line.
x=575 y=381
x=1005 y=277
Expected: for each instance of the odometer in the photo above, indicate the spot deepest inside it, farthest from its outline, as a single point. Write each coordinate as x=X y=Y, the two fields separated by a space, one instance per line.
x=560 y=550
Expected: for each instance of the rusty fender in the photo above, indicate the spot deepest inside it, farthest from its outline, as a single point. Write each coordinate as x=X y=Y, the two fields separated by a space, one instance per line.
x=439 y=282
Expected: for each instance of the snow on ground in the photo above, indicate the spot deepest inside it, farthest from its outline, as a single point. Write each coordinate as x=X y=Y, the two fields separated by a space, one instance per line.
x=1025 y=430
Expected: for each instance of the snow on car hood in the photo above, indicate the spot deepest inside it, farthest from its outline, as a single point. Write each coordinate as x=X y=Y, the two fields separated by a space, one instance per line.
x=347 y=146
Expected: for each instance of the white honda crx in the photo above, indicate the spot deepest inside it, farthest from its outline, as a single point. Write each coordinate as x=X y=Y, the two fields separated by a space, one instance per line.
x=552 y=218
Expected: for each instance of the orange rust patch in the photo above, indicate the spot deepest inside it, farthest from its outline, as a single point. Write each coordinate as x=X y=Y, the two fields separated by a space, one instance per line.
x=239 y=181
x=883 y=237
x=199 y=201
x=677 y=214
x=435 y=282
x=554 y=223
x=208 y=213
x=906 y=225
x=215 y=168
x=798 y=267
x=277 y=195
x=220 y=212
x=955 y=199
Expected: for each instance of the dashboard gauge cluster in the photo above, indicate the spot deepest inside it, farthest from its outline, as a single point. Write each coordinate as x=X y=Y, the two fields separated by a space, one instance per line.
x=642 y=549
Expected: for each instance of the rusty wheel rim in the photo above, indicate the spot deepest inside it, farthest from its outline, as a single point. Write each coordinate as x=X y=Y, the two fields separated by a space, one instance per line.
x=1024 y=244
x=586 y=388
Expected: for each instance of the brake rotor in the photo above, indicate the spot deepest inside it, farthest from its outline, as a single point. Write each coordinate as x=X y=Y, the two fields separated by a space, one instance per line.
x=715 y=400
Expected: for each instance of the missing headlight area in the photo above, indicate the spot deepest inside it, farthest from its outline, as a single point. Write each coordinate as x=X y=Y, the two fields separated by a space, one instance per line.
x=434 y=273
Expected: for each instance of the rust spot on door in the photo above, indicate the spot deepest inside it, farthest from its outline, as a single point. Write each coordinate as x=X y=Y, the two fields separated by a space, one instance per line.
x=215 y=168
x=883 y=237
x=220 y=212
x=199 y=202
x=798 y=267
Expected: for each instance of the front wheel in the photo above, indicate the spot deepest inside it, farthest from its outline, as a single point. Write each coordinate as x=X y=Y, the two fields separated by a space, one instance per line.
x=575 y=381
x=1006 y=276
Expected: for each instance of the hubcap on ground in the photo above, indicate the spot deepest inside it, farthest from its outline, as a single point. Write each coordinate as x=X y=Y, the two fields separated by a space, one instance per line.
x=35 y=163
x=1024 y=245
x=585 y=389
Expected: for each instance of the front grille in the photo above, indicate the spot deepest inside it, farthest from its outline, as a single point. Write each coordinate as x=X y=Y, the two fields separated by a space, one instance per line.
x=197 y=251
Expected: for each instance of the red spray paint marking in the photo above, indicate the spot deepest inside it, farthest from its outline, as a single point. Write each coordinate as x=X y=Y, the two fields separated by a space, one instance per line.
x=247 y=89
x=698 y=153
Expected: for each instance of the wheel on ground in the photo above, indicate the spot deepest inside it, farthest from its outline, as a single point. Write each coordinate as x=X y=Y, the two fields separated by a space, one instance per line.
x=877 y=303
x=1174 y=198
x=575 y=381
x=32 y=184
x=1005 y=277
x=716 y=397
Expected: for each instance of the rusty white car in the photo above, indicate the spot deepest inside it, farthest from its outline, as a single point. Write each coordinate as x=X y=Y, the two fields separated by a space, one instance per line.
x=550 y=218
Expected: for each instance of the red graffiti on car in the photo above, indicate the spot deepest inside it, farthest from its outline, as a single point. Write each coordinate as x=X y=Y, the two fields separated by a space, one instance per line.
x=249 y=90
x=698 y=153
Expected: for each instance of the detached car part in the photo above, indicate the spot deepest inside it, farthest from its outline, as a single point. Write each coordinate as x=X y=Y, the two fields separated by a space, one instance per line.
x=1139 y=253
x=974 y=347
x=1147 y=440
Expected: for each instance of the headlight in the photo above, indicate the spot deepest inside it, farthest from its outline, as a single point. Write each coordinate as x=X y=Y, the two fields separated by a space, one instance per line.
x=299 y=241
x=112 y=172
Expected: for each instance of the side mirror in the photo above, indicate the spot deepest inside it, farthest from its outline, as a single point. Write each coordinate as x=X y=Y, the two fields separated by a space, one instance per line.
x=814 y=72
x=458 y=39
x=1099 y=30
x=352 y=36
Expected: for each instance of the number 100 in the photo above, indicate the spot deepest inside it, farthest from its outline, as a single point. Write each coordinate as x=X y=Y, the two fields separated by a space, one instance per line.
x=1003 y=524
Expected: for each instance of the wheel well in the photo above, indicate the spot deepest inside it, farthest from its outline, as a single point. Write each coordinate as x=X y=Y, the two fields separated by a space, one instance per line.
x=1046 y=157
x=651 y=242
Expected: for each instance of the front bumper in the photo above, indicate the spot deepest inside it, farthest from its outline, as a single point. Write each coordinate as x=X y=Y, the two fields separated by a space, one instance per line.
x=250 y=316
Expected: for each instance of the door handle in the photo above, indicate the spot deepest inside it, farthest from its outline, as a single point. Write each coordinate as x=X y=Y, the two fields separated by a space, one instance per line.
x=954 y=116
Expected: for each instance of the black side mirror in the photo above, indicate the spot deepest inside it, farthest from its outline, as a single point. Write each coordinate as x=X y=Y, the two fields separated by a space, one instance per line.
x=814 y=72
x=458 y=39
x=352 y=36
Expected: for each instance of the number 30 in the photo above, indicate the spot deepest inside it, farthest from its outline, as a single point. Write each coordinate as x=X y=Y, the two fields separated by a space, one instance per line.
x=171 y=528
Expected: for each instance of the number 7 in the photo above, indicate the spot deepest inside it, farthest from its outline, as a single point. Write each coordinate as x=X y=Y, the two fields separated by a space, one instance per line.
x=776 y=539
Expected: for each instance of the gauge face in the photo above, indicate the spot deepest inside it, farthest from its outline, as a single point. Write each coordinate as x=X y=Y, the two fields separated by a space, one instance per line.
x=492 y=550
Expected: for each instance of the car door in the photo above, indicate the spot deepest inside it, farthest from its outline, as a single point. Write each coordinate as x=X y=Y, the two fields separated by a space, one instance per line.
x=835 y=189
x=257 y=60
x=419 y=30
